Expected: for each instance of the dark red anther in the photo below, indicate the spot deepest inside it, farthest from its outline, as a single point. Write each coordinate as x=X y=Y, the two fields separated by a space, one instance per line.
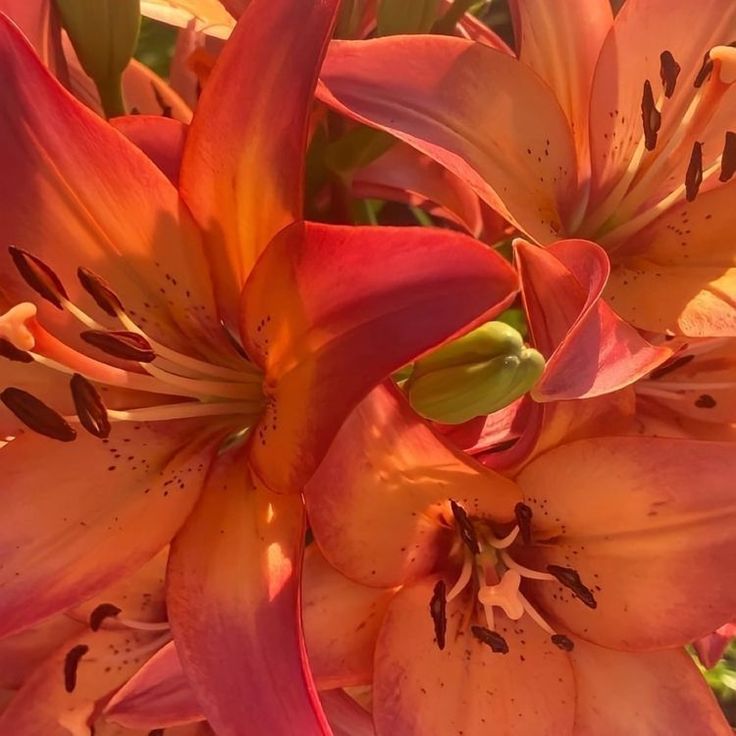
x=524 y=519
x=100 y=291
x=705 y=70
x=9 y=351
x=570 y=579
x=491 y=638
x=90 y=409
x=438 y=612
x=694 y=175
x=728 y=158
x=36 y=415
x=670 y=366
x=39 y=276
x=121 y=344
x=669 y=70
x=563 y=642
x=650 y=117
x=71 y=662
x=465 y=526
x=103 y=611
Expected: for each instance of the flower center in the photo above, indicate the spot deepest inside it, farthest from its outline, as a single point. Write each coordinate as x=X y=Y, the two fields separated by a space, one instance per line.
x=129 y=359
x=494 y=579
x=629 y=206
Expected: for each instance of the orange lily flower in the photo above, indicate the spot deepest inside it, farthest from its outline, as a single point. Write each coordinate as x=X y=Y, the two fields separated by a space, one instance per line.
x=626 y=138
x=540 y=606
x=217 y=351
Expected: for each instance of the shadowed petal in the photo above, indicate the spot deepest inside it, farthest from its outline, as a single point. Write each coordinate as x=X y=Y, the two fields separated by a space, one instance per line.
x=314 y=328
x=346 y=717
x=233 y=597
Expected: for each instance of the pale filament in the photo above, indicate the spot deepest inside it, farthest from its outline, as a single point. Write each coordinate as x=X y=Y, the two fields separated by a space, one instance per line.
x=506 y=541
x=132 y=623
x=524 y=572
x=183 y=411
x=463 y=579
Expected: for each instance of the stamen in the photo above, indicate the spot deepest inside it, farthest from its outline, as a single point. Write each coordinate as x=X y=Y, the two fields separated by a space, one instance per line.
x=563 y=642
x=491 y=638
x=465 y=527
x=121 y=344
x=438 y=612
x=464 y=577
x=103 y=611
x=40 y=277
x=669 y=70
x=100 y=291
x=504 y=542
x=524 y=519
x=185 y=411
x=525 y=572
x=534 y=615
x=9 y=351
x=694 y=175
x=705 y=70
x=90 y=407
x=650 y=116
x=570 y=579
x=36 y=415
x=728 y=158
x=71 y=662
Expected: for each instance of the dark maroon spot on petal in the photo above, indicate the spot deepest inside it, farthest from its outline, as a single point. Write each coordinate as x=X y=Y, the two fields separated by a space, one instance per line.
x=694 y=175
x=669 y=70
x=491 y=638
x=570 y=579
x=40 y=277
x=465 y=526
x=121 y=344
x=650 y=117
x=71 y=662
x=9 y=351
x=670 y=365
x=107 y=300
x=90 y=409
x=705 y=401
x=103 y=611
x=524 y=519
x=156 y=732
x=705 y=70
x=36 y=415
x=563 y=642
x=438 y=612
x=728 y=159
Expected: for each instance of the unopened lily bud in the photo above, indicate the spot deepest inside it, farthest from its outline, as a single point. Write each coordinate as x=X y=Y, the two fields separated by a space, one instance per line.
x=406 y=16
x=104 y=34
x=475 y=375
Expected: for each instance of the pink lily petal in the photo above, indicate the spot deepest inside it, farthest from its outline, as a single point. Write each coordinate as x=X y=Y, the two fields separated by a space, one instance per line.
x=157 y=696
x=710 y=648
x=642 y=694
x=474 y=110
x=233 y=596
x=419 y=689
x=36 y=19
x=405 y=473
x=62 y=539
x=341 y=623
x=242 y=174
x=161 y=139
x=589 y=349
x=346 y=717
x=680 y=514
x=310 y=326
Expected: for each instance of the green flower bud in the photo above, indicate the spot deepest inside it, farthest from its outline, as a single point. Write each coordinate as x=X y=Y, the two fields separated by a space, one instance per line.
x=475 y=375
x=406 y=16
x=104 y=34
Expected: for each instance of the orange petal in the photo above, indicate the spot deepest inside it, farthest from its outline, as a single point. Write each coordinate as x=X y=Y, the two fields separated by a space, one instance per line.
x=474 y=110
x=325 y=340
x=233 y=596
x=77 y=193
x=630 y=514
x=158 y=695
x=375 y=520
x=419 y=689
x=589 y=349
x=341 y=622
x=679 y=274
x=346 y=717
x=563 y=49
x=642 y=694
x=80 y=515
x=242 y=173
x=209 y=15
x=643 y=29
x=37 y=21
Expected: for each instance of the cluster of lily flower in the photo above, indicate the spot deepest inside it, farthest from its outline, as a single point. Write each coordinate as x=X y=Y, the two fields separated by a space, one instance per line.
x=265 y=474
